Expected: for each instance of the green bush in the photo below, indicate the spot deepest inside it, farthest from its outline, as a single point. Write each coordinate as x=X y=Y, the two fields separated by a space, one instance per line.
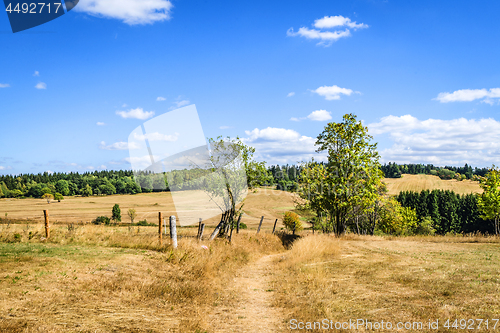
x=116 y=213
x=143 y=223
x=292 y=222
x=101 y=220
x=243 y=225
x=425 y=227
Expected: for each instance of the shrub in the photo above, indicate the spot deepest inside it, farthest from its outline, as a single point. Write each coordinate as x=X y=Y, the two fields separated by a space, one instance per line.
x=292 y=222
x=143 y=223
x=116 y=213
x=425 y=227
x=101 y=220
x=243 y=225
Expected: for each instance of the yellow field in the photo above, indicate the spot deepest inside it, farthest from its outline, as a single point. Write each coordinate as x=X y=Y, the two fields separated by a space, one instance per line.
x=263 y=202
x=427 y=182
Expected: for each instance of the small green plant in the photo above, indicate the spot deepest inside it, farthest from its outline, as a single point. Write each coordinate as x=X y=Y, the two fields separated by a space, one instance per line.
x=101 y=220
x=17 y=237
x=292 y=222
x=243 y=225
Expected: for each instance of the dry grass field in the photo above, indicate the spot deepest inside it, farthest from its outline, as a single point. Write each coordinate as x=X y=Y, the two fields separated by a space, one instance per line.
x=115 y=279
x=391 y=279
x=262 y=202
x=428 y=182
x=89 y=278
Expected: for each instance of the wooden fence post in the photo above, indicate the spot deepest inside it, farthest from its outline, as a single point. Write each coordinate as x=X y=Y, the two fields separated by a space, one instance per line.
x=274 y=228
x=165 y=226
x=260 y=224
x=173 y=232
x=160 y=239
x=47 y=227
x=199 y=228
x=202 y=228
x=238 y=224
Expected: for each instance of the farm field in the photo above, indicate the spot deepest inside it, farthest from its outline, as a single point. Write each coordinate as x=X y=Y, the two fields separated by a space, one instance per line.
x=262 y=202
x=105 y=279
x=419 y=183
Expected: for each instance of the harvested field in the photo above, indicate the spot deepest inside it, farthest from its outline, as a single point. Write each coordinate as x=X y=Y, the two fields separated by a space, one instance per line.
x=419 y=183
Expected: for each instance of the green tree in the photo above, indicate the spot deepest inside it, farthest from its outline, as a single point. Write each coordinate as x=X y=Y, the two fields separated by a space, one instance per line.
x=116 y=213
x=58 y=197
x=48 y=197
x=87 y=191
x=489 y=201
x=132 y=214
x=62 y=187
x=352 y=166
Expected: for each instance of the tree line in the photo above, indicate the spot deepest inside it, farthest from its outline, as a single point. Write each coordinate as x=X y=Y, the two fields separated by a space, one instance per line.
x=394 y=170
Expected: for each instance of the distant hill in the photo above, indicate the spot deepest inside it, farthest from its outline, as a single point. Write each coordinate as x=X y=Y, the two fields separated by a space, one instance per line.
x=418 y=183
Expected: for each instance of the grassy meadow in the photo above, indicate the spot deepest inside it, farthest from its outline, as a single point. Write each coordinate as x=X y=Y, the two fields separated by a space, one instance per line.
x=95 y=278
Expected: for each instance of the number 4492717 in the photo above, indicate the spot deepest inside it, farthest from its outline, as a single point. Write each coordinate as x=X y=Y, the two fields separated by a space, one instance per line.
x=34 y=8
x=471 y=324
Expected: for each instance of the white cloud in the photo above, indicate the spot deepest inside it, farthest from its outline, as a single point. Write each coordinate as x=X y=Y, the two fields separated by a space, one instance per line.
x=290 y=94
x=129 y=11
x=124 y=105
x=155 y=136
x=160 y=99
x=37 y=73
x=441 y=142
x=296 y=119
x=182 y=103
x=4 y=85
x=224 y=127
x=320 y=115
x=5 y=167
x=337 y=21
x=138 y=113
x=469 y=95
x=331 y=93
x=100 y=124
x=326 y=37
x=119 y=146
x=280 y=145
x=41 y=85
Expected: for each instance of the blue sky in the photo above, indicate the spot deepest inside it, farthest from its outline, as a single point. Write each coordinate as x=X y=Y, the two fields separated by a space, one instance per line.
x=423 y=76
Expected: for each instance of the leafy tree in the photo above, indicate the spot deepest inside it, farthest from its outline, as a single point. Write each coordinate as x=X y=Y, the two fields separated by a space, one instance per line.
x=352 y=164
x=116 y=214
x=58 y=197
x=62 y=187
x=48 y=197
x=132 y=214
x=292 y=222
x=489 y=201
x=87 y=191
x=396 y=219
x=227 y=185
x=16 y=193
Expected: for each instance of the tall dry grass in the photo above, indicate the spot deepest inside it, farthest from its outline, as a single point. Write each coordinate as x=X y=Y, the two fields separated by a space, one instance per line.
x=103 y=279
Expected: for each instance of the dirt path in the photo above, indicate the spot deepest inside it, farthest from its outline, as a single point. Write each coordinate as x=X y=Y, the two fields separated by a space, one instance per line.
x=254 y=311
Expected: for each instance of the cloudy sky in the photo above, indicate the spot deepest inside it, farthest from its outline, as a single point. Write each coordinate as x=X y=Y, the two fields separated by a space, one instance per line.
x=423 y=76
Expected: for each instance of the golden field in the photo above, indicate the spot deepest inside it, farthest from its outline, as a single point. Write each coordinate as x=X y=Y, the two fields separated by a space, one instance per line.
x=419 y=183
